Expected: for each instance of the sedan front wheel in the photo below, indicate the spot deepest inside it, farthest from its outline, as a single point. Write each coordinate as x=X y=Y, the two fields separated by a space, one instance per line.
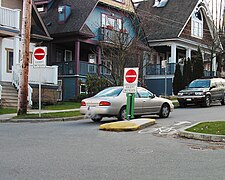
x=165 y=111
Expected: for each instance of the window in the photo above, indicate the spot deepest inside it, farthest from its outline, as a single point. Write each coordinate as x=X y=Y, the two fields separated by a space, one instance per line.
x=108 y=66
x=145 y=94
x=92 y=58
x=59 y=55
x=9 y=56
x=121 y=1
x=40 y=7
x=68 y=55
x=197 y=24
x=111 y=22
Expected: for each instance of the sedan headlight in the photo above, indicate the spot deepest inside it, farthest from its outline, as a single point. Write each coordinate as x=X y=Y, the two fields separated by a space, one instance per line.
x=180 y=94
x=199 y=93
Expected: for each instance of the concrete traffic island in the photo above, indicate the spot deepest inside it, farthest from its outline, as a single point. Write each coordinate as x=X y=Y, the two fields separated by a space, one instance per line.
x=132 y=125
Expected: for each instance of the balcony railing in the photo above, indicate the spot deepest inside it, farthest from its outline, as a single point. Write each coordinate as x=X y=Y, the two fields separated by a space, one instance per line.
x=113 y=36
x=68 y=68
x=156 y=69
x=10 y=18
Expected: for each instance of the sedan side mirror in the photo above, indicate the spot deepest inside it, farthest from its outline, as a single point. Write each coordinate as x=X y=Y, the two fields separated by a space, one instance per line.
x=212 y=87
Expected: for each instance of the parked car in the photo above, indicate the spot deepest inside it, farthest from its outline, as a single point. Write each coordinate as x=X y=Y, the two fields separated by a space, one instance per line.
x=112 y=102
x=203 y=92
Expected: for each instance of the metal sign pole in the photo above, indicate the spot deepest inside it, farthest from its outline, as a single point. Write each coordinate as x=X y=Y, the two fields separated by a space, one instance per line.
x=39 y=92
x=130 y=106
x=165 y=81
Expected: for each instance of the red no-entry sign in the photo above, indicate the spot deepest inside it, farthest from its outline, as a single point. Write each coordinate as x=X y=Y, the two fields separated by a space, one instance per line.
x=130 y=80
x=131 y=76
x=40 y=56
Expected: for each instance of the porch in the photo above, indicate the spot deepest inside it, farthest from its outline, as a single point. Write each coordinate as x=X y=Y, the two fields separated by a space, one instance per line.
x=9 y=22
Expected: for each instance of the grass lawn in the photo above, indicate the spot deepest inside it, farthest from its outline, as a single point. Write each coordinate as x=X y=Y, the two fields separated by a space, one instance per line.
x=217 y=128
x=7 y=111
x=49 y=115
x=62 y=105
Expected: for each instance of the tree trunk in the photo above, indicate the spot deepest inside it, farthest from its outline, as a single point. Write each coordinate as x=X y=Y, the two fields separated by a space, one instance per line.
x=24 y=64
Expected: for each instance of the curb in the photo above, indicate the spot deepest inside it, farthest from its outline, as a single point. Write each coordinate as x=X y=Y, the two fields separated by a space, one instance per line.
x=132 y=125
x=75 y=118
x=199 y=136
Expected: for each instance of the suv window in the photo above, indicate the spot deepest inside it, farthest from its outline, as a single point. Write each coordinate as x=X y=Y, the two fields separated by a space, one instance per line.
x=200 y=84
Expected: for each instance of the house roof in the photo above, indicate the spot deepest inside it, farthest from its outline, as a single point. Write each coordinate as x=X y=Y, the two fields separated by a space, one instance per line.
x=165 y=22
x=38 y=28
x=80 y=11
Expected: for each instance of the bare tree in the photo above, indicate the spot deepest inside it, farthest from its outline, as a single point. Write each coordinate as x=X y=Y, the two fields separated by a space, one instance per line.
x=24 y=69
x=121 y=49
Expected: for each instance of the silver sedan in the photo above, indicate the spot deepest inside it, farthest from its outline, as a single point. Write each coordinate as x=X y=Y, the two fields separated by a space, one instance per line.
x=112 y=102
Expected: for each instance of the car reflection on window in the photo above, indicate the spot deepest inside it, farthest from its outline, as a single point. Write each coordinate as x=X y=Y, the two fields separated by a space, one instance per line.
x=199 y=84
x=109 y=92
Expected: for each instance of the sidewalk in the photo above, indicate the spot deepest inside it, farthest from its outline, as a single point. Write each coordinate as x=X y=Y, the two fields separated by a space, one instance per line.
x=8 y=117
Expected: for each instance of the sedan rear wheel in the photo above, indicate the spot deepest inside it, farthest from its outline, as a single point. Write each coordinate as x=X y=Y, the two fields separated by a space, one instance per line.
x=96 y=118
x=165 y=111
x=122 y=113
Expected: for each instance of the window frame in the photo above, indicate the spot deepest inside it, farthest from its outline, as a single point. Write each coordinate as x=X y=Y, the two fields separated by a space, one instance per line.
x=8 y=65
x=197 y=25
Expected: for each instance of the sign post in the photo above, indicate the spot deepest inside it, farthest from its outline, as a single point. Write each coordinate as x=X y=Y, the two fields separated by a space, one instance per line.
x=130 y=87
x=164 y=65
x=40 y=61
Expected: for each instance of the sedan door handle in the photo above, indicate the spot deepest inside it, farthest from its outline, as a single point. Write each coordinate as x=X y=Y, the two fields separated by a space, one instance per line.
x=144 y=100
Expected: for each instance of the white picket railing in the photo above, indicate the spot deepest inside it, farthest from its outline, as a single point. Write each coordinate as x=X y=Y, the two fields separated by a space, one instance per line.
x=16 y=80
x=45 y=75
x=10 y=17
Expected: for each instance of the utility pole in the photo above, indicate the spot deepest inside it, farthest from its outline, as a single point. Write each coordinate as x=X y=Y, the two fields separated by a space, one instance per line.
x=24 y=62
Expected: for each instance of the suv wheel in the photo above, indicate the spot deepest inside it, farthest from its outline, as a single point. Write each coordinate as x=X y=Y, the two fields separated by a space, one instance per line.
x=183 y=104
x=207 y=101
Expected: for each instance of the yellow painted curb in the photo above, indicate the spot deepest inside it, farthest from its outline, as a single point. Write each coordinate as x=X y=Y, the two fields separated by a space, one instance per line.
x=126 y=125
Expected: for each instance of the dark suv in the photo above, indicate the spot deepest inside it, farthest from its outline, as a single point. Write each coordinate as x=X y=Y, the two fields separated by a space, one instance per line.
x=203 y=92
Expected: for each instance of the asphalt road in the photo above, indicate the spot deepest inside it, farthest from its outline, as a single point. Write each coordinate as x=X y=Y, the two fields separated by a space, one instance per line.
x=79 y=151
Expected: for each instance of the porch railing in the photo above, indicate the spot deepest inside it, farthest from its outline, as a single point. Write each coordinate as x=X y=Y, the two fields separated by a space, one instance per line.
x=156 y=69
x=16 y=80
x=10 y=17
x=47 y=75
x=113 y=36
x=0 y=92
x=68 y=68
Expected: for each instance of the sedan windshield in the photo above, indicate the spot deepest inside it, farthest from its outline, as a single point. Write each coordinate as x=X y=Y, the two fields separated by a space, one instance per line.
x=109 y=92
x=200 y=84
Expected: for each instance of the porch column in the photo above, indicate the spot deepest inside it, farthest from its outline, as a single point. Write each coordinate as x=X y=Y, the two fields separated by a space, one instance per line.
x=173 y=53
x=188 y=53
x=16 y=52
x=77 y=66
x=214 y=64
x=99 y=60
x=77 y=58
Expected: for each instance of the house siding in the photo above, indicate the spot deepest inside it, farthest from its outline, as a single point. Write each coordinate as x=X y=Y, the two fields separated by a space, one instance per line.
x=94 y=22
x=127 y=5
x=15 y=4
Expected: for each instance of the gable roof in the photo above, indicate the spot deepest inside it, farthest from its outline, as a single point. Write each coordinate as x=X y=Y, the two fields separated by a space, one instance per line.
x=166 y=22
x=38 y=28
x=80 y=10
